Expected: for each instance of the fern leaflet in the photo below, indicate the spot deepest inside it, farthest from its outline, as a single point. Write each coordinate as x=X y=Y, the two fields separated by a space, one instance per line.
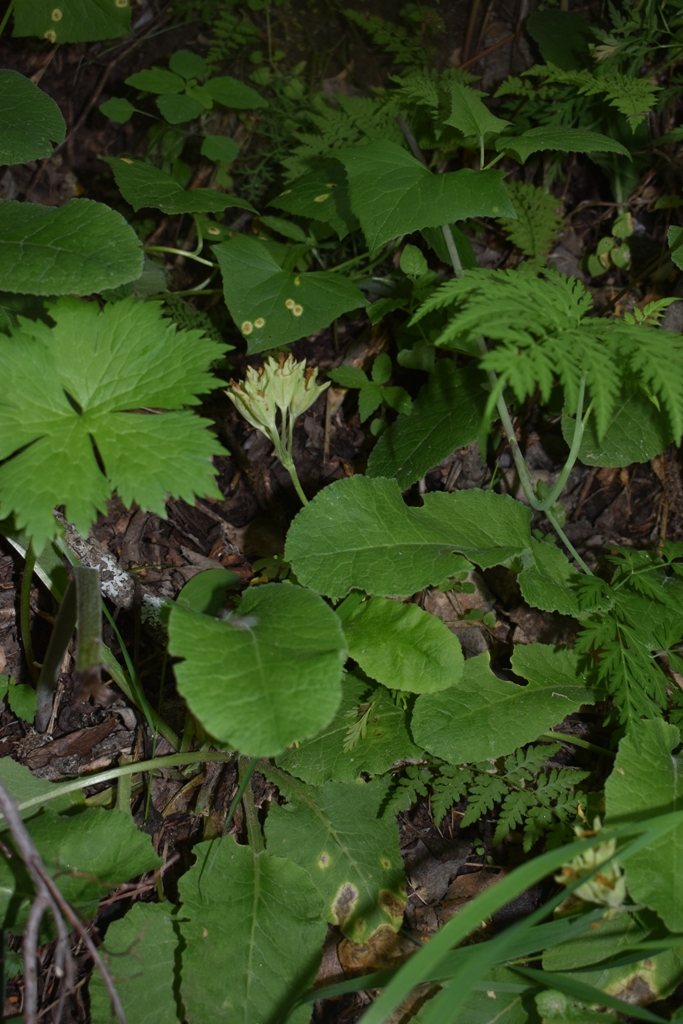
x=537 y=222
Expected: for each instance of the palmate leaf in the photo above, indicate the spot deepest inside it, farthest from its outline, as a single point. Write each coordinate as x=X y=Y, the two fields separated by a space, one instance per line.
x=77 y=417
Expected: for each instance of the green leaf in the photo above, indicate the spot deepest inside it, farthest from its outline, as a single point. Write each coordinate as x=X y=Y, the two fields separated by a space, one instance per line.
x=385 y=742
x=674 y=237
x=321 y=195
x=564 y=140
x=220 y=148
x=29 y=120
x=117 y=110
x=143 y=185
x=71 y=21
x=358 y=533
x=78 y=385
x=636 y=431
x=267 y=676
x=403 y=646
x=537 y=224
x=22 y=701
x=412 y=261
x=446 y=415
x=22 y=785
x=284 y=227
x=469 y=115
x=156 y=80
x=177 y=109
x=352 y=856
x=348 y=376
x=88 y=854
x=655 y=873
x=253 y=927
x=230 y=92
x=393 y=194
x=273 y=307
x=140 y=951
x=205 y=593
x=486 y=717
x=81 y=247
x=546 y=579
x=187 y=64
x=612 y=937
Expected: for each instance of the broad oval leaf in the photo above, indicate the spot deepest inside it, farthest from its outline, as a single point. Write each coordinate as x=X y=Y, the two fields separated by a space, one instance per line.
x=268 y=675
x=188 y=64
x=141 y=952
x=220 y=148
x=547 y=579
x=230 y=92
x=655 y=873
x=566 y=140
x=143 y=185
x=254 y=927
x=636 y=431
x=272 y=306
x=180 y=108
x=358 y=533
x=81 y=247
x=71 y=21
x=393 y=194
x=385 y=741
x=403 y=646
x=486 y=717
x=29 y=120
x=79 y=384
x=350 y=853
x=156 y=80
x=446 y=415
x=117 y=110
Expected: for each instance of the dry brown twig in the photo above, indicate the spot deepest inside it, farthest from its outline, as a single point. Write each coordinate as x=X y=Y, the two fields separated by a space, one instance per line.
x=48 y=897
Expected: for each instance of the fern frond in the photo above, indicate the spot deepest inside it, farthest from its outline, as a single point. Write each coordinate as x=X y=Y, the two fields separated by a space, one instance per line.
x=656 y=358
x=633 y=97
x=393 y=39
x=487 y=790
x=448 y=788
x=537 y=224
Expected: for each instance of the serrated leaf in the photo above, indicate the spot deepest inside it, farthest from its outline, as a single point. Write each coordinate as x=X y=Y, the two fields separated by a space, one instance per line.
x=564 y=140
x=358 y=533
x=177 y=109
x=486 y=717
x=140 y=951
x=369 y=399
x=348 y=376
x=468 y=113
x=393 y=194
x=537 y=223
x=267 y=677
x=655 y=873
x=230 y=92
x=22 y=701
x=81 y=247
x=385 y=742
x=257 y=913
x=352 y=856
x=156 y=80
x=88 y=853
x=321 y=195
x=78 y=385
x=220 y=148
x=412 y=261
x=447 y=415
x=272 y=306
x=636 y=431
x=188 y=64
x=29 y=120
x=144 y=185
x=118 y=110
x=71 y=21
x=546 y=579
x=403 y=646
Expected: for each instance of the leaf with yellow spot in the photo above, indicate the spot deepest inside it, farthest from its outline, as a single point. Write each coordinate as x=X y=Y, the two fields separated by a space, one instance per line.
x=256 y=287
x=322 y=195
x=71 y=21
x=363 y=884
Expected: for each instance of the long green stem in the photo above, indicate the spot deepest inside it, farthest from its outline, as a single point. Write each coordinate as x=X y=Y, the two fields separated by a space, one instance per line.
x=6 y=17
x=567 y=543
x=179 y=252
x=246 y=770
x=25 y=612
x=170 y=761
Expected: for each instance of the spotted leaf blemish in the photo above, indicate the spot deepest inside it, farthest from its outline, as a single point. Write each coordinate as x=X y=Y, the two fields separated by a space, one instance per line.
x=50 y=35
x=260 y=322
x=297 y=310
x=56 y=14
x=290 y=303
x=213 y=231
x=247 y=327
x=324 y=861
x=322 y=198
x=386 y=863
x=297 y=280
